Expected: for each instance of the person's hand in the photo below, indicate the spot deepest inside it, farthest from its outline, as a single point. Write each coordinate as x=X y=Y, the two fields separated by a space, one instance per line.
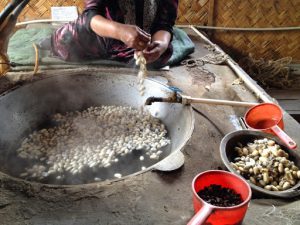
x=134 y=37
x=154 y=51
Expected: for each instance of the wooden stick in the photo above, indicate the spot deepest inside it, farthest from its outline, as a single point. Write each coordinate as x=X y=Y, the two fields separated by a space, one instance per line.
x=189 y=100
x=36 y=64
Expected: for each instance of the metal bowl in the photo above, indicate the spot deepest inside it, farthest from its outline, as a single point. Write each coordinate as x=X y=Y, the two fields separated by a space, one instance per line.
x=245 y=136
x=29 y=107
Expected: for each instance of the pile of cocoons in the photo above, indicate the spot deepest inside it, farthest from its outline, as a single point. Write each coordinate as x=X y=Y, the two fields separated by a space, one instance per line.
x=94 y=138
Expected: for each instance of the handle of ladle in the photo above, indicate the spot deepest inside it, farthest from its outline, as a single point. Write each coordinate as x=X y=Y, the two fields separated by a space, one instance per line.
x=200 y=217
x=284 y=137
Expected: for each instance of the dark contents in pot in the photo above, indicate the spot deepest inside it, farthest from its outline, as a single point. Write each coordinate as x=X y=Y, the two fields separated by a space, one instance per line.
x=219 y=196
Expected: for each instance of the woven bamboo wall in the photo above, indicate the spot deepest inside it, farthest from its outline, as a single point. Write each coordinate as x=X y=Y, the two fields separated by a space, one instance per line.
x=224 y=13
x=41 y=9
x=194 y=12
x=259 y=13
x=252 y=14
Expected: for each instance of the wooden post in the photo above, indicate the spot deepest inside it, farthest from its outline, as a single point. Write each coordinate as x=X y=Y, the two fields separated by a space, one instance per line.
x=211 y=9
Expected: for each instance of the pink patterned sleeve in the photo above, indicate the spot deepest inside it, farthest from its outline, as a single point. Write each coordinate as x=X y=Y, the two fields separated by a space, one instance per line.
x=166 y=16
x=93 y=4
x=92 y=8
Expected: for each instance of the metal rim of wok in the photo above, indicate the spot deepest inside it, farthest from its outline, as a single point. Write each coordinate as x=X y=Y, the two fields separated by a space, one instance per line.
x=176 y=157
x=244 y=136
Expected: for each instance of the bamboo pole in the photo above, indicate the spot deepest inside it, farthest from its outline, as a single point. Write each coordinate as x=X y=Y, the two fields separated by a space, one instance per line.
x=41 y=21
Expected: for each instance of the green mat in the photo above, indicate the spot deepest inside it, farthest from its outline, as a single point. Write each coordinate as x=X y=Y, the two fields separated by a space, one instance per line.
x=20 y=49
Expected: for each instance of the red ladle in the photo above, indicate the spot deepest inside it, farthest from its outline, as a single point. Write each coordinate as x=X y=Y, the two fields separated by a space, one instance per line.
x=268 y=117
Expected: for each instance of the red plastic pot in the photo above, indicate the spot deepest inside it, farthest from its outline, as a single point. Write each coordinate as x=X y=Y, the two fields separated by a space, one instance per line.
x=267 y=117
x=210 y=214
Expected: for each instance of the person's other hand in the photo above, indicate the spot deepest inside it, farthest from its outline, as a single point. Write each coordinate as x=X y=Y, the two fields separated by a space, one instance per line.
x=134 y=37
x=154 y=51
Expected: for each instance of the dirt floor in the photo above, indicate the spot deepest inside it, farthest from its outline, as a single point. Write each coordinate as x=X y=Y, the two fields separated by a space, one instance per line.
x=153 y=197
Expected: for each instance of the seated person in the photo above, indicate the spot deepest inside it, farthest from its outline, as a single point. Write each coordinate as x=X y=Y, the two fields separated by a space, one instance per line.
x=115 y=29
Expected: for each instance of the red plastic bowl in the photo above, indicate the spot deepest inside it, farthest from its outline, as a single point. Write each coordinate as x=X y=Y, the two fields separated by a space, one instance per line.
x=210 y=214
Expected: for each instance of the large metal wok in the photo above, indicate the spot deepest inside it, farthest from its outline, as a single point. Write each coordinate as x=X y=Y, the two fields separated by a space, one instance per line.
x=28 y=108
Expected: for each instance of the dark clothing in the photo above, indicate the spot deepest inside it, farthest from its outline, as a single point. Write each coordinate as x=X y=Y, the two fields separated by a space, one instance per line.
x=76 y=41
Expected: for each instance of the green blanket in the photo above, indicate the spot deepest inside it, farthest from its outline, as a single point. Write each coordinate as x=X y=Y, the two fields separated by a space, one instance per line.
x=182 y=46
x=20 y=49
